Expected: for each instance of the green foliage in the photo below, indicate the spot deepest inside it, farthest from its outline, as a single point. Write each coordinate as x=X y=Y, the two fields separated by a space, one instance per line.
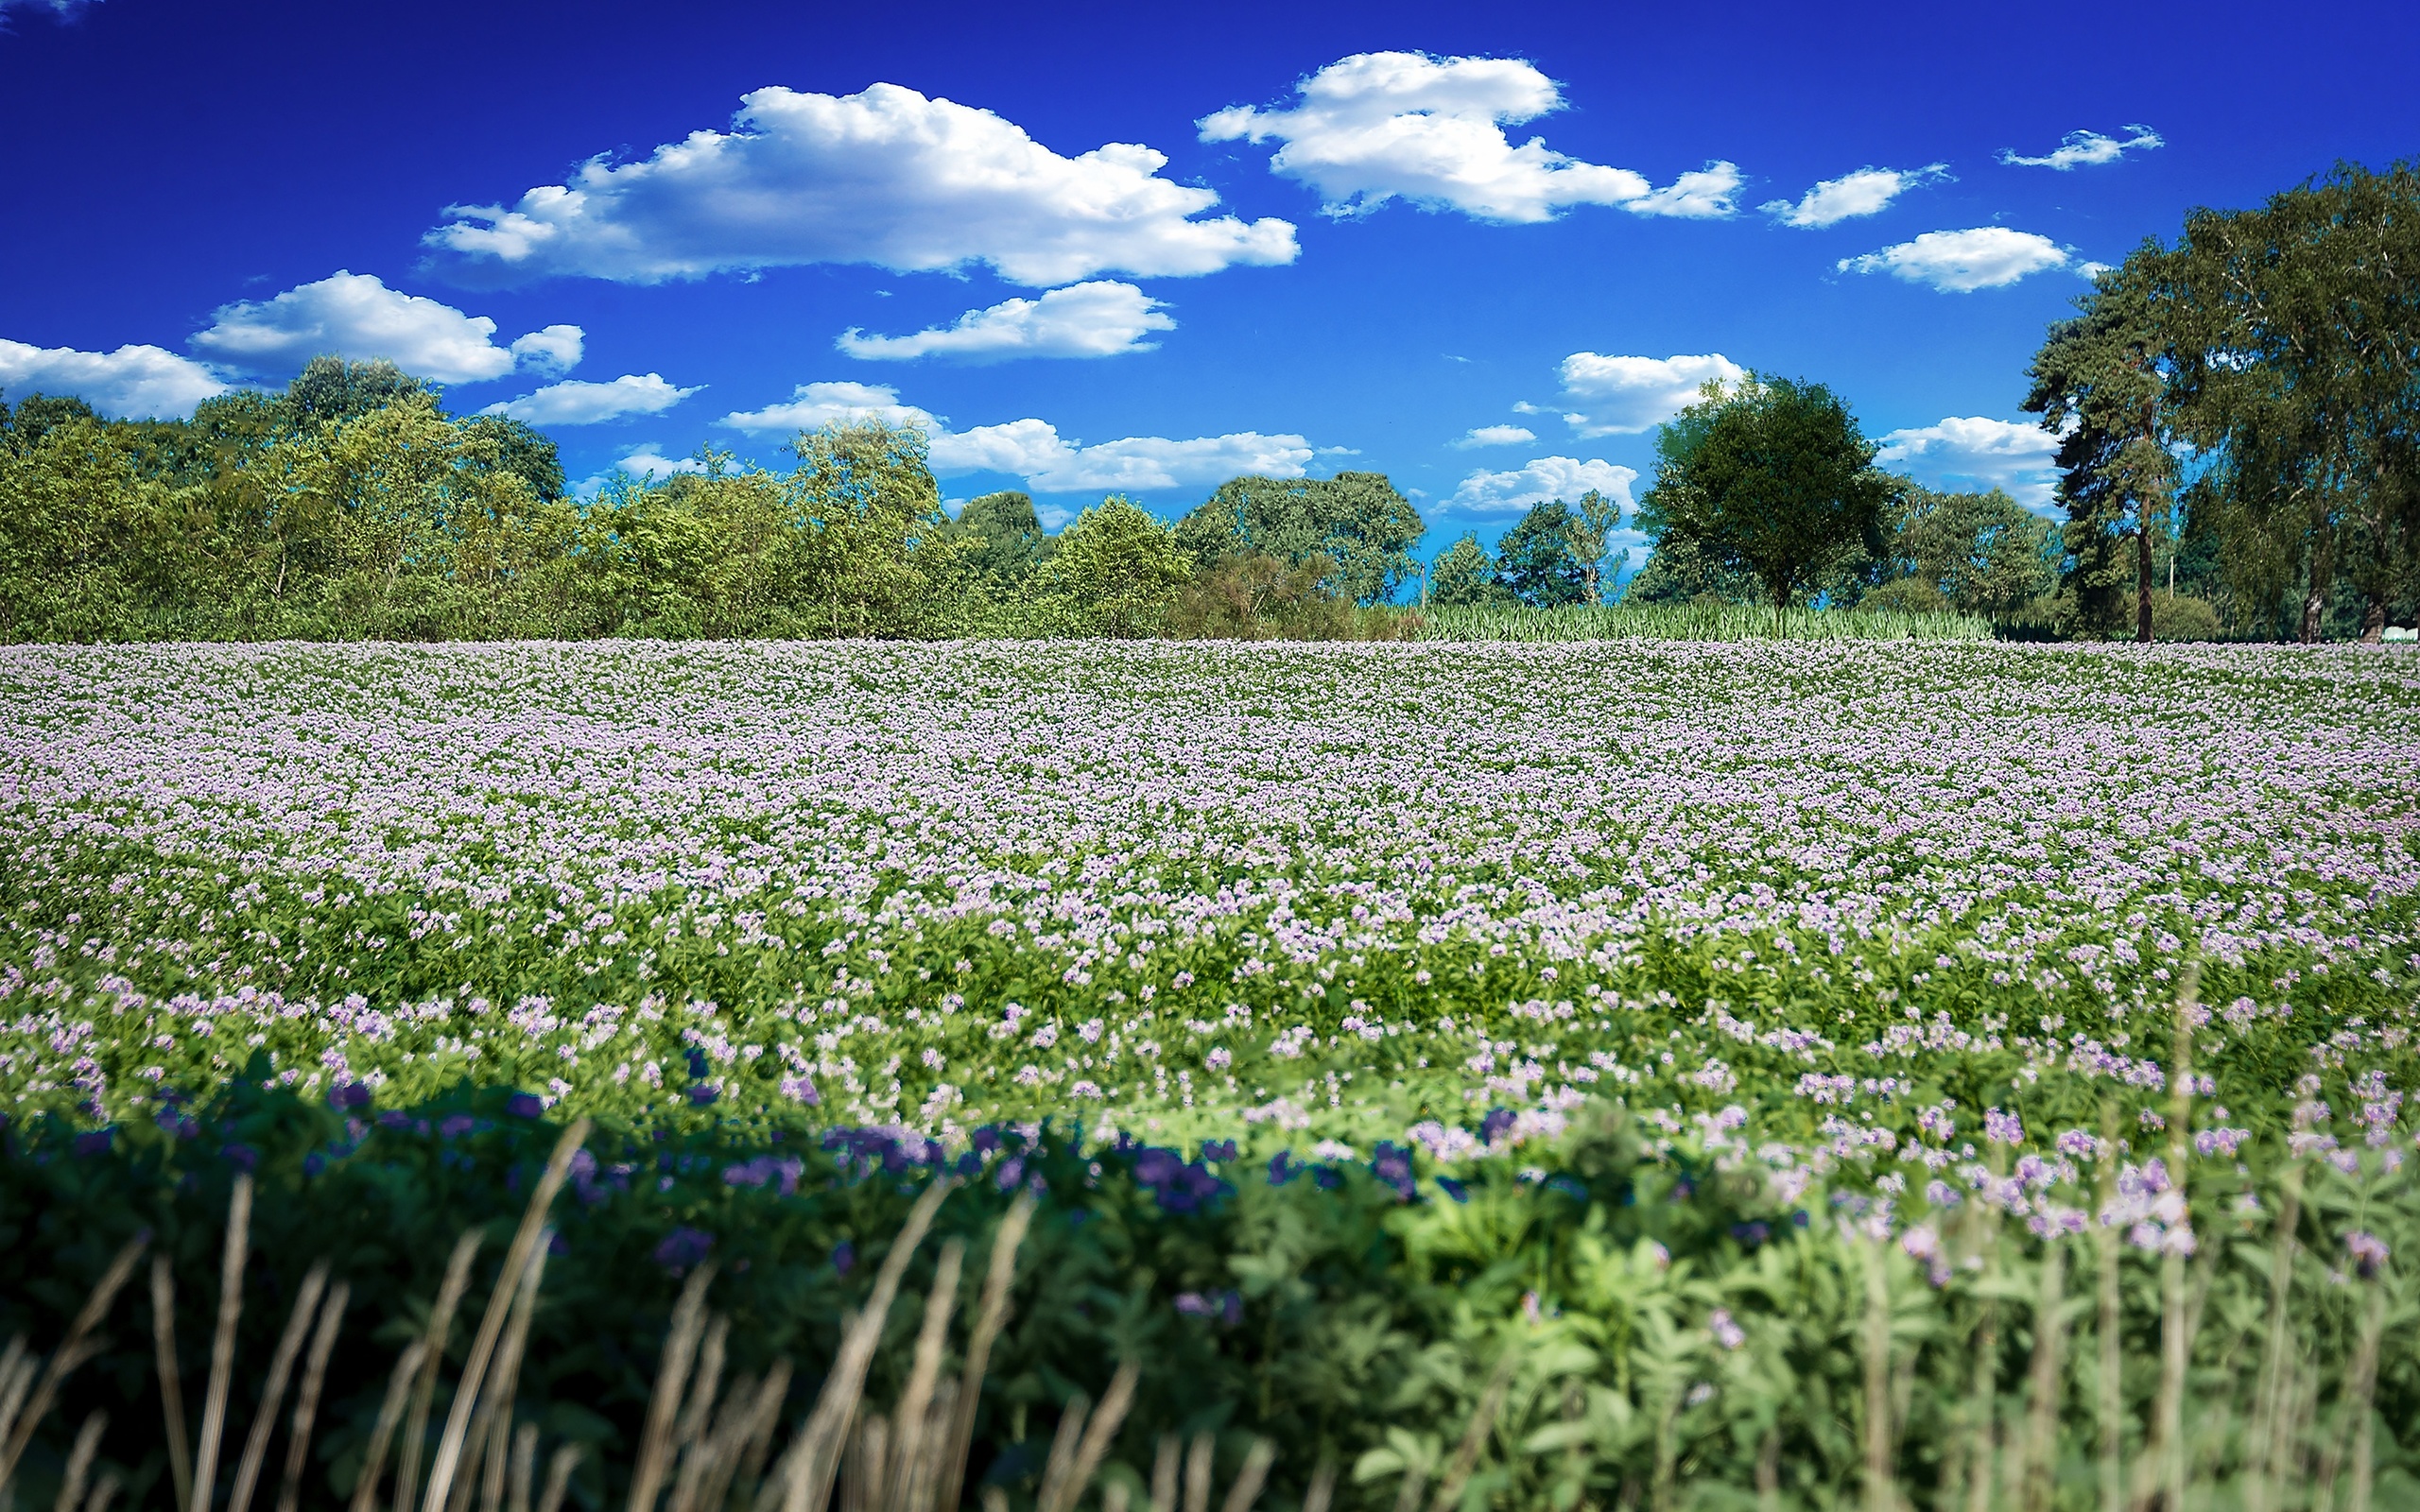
x=1681 y=570
x=1115 y=572
x=1535 y=561
x=1463 y=573
x=1774 y=479
x=1972 y=553
x=1004 y=535
x=1356 y=520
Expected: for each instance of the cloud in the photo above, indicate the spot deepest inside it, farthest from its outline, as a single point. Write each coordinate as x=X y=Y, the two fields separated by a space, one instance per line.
x=354 y=314
x=1705 y=195
x=1545 y=477
x=1622 y=396
x=60 y=9
x=132 y=383
x=1097 y=319
x=2088 y=148
x=1962 y=261
x=1034 y=451
x=1376 y=127
x=650 y=461
x=1863 y=193
x=1978 y=453
x=1497 y=436
x=886 y=177
x=812 y=406
x=582 y=404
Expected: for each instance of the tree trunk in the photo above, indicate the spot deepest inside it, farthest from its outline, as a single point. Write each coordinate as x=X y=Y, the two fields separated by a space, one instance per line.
x=2143 y=578
x=2374 y=621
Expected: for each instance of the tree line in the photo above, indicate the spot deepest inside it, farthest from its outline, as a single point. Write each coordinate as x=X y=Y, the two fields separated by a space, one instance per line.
x=2236 y=455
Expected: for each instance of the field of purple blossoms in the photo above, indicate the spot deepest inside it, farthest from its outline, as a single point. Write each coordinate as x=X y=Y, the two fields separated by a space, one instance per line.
x=1832 y=900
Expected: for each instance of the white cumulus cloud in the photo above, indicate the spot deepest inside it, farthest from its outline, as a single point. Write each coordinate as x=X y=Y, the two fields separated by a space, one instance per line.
x=1863 y=193
x=1622 y=396
x=2088 y=148
x=1033 y=449
x=586 y=403
x=1496 y=436
x=132 y=383
x=1960 y=262
x=1376 y=127
x=649 y=462
x=354 y=314
x=1976 y=452
x=886 y=177
x=1094 y=320
x=1544 y=478
x=812 y=406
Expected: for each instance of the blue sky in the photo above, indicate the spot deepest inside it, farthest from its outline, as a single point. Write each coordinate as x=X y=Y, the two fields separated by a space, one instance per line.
x=1482 y=250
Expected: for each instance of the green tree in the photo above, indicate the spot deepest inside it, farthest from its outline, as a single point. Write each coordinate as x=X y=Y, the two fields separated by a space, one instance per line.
x=1772 y=478
x=2294 y=330
x=1591 y=530
x=1117 y=571
x=1678 y=570
x=1972 y=553
x=1358 y=520
x=1463 y=573
x=1002 y=534
x=1536 y=557
x=864 y=494
x=329 y=390
x=2100 y=384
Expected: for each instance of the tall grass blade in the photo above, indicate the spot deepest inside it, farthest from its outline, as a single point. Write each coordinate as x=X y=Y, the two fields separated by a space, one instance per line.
x=382 y=1433
x=559 y=1478
x=1196 y=1473
x=222 y=1343
x=306 y=1403
x=172 y=1390
x=671 y=1381
x=440 y=1332
x=79 y=1461
x=1106 y=1420
x=990 y=1318
x=73 y=1350
x=1255 y=1476
x=534 y=1219
x=281 y=1366
x=525 y=1466
x=915 y=1403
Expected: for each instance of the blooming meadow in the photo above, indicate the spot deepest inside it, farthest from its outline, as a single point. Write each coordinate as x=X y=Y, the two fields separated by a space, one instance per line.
x=1838 y=900
x=1716 y=1034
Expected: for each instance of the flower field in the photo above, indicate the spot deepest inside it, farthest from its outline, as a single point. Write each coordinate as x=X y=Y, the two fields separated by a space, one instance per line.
x=1851 y=895
x=1710 y=1059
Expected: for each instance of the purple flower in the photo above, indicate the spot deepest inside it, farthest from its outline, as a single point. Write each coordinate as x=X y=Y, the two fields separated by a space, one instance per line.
x=2369 y=1252
x=455 y=1126
x=1726 y=1332
x=525 y=1105
x=702 y=1096
x=844 y=1256
x=2002 y=1128
x=1283 y=1168
x=352 y=1094
x=1219 y=1150
x=243 y=1155
x=682 y=1248
x=1453 y=1189
x=93 y=1142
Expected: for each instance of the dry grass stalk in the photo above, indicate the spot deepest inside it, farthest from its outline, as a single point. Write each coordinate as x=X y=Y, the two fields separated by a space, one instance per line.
x=1255 y=1476
x=281 y=1366
x=1114 y=1497
x=808 y=1487
x=525 y=1466
x=306 y=1403
x=861 y=1488
x=382 y=1434
x=172 y=1390
x=73 y=1352
x=1881 y=1481
x=992 y=1316
x=1163 y=1474
x=16 y=1379
x=1322 y=1490
x=1196 y=1473
x=671 y=1381
x=491 y=1423
x=2038 y=1458
x=2260 y=1447
x=104 y=1493
x=440 y=1332
x=559 y=1478
x=915 y=1432
x=222 y=1343
x=534 y=1219
x=697 y=1407
x=1061 y=1464
x=79 y=1461
x=2109 y=1394
x=1060 y=1496
x=995 y=1500
x=2365 y=1379
x=749 y=1466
